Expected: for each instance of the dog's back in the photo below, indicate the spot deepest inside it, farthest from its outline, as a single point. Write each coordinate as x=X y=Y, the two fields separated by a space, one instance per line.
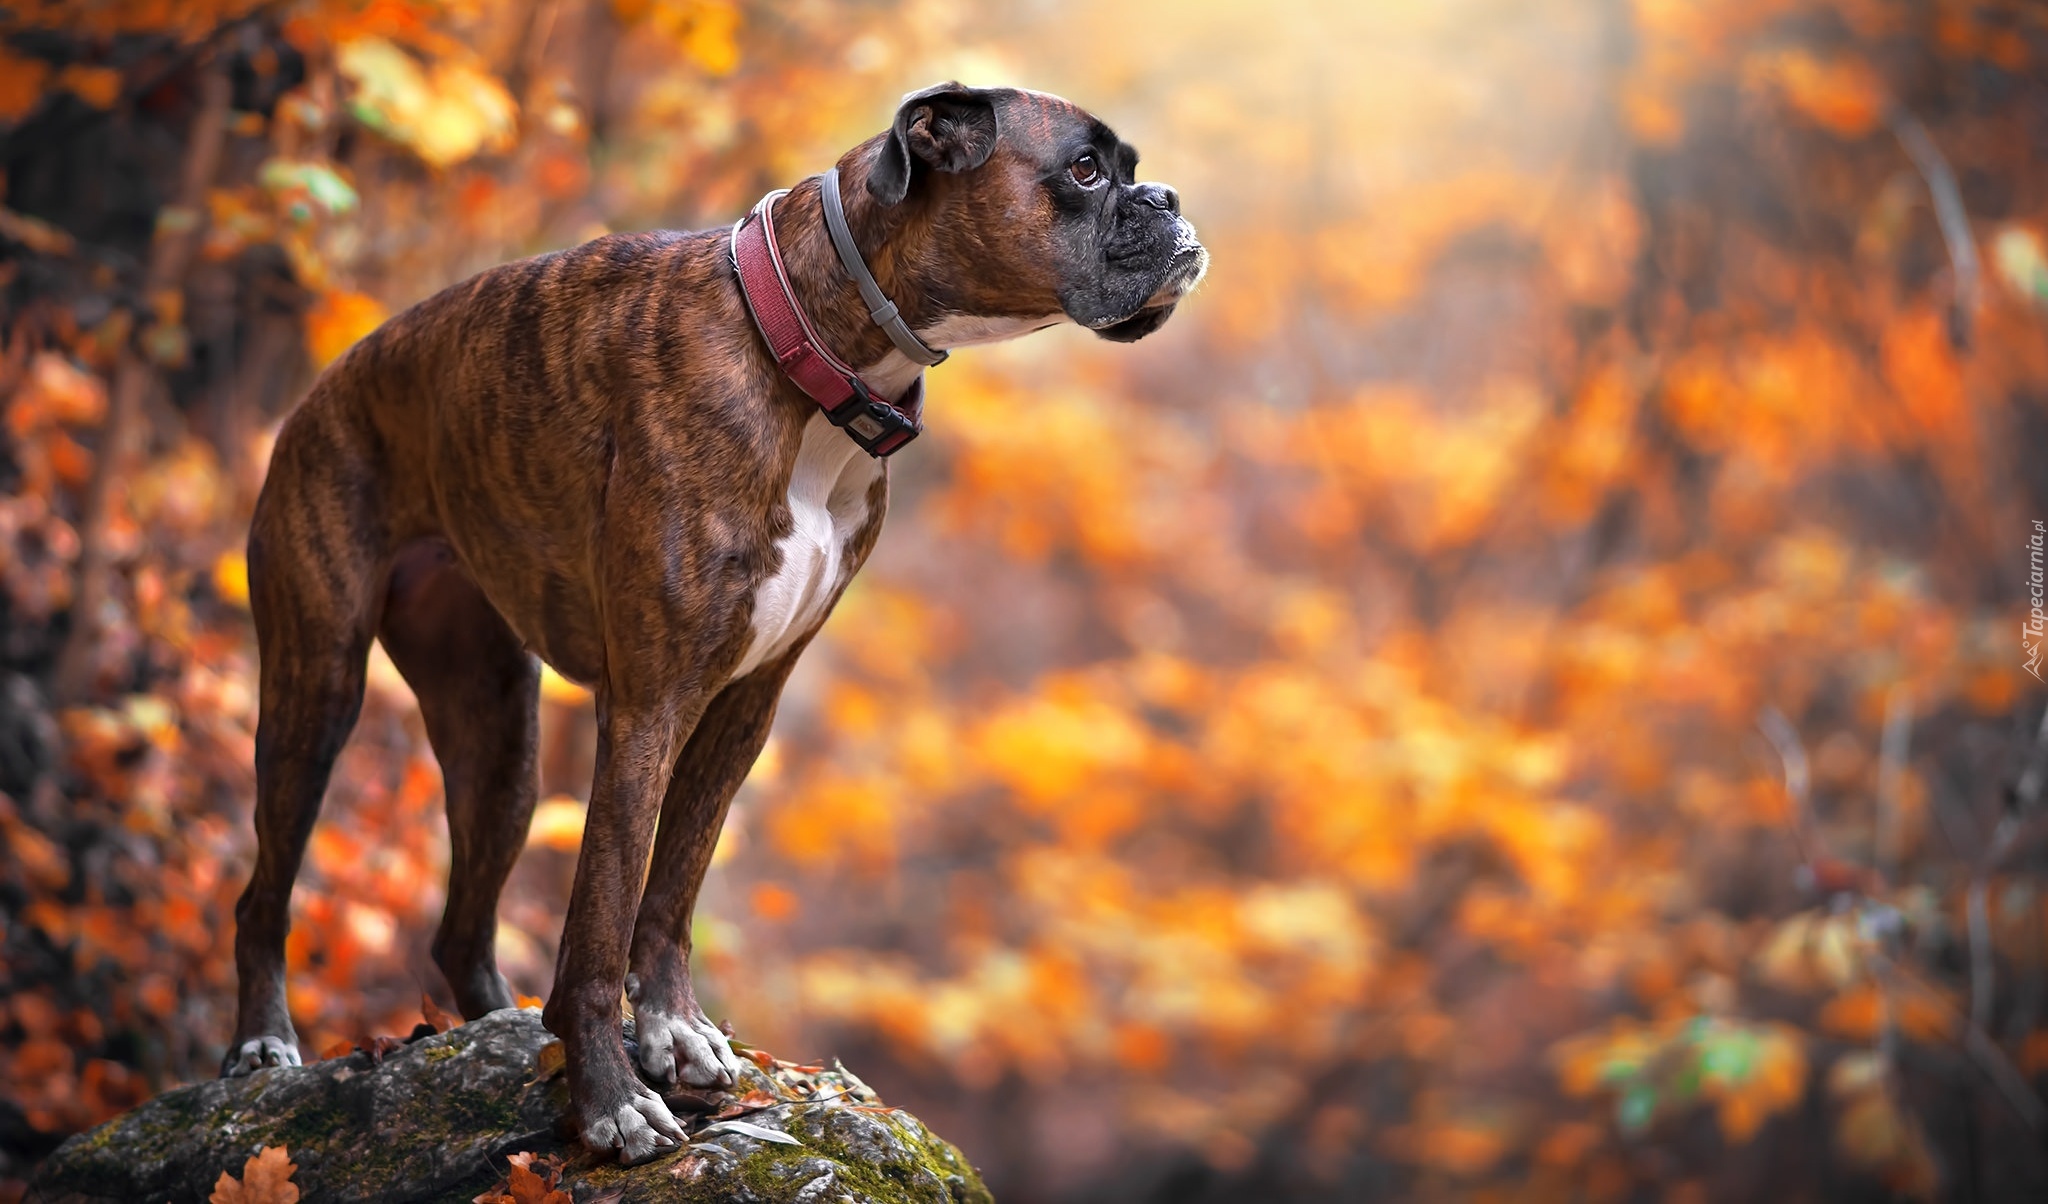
x=532 y=373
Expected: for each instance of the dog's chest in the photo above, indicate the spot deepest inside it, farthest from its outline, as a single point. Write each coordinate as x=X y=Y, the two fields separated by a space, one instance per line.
x=828 y=503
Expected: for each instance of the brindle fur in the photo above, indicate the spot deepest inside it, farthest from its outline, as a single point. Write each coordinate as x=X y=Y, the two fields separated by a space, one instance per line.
x=584 y=457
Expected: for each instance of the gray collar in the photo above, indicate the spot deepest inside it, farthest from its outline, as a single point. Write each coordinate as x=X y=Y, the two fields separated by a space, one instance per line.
x=880 y=308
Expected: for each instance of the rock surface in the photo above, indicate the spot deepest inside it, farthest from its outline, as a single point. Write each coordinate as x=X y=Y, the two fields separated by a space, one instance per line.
x=436 y=1119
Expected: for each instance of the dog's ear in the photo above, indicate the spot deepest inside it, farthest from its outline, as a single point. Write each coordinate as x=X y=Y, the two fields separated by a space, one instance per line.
x=942 y=128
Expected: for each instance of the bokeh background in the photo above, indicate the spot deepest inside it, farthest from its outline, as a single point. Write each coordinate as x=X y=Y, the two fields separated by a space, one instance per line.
x=1523 y=690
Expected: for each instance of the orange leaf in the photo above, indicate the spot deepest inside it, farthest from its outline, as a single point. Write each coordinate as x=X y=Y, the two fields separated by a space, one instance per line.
x=266 y=1179
x=336 y=321
x=529 y=1188
x=1852 y=1014
x=1143 y=1048
x=530 y=1179
x=56 y=392
x=99 y=87
x=1740 y=1118
x=231 y=577
x=21 y=84
x=1843 y=96
x=773 y=901
x=550 y=1061
x=441 y=1020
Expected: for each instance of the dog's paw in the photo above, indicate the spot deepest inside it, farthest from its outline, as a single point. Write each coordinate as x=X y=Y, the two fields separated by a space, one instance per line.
x=637 y=1129
x=258 y=1053
x=685 y=1049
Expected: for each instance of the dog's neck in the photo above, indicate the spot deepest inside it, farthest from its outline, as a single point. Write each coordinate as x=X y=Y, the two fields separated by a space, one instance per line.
x=889 y=242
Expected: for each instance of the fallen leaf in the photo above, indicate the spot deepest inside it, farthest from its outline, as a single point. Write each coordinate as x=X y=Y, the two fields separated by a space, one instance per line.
x=752 y=1101
x=529 y=1179
x=530 y=1188
x=442 y=1021
x=549 y=1062
x=266 y=1179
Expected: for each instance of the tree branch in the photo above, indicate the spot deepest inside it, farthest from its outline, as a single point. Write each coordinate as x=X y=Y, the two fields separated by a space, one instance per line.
x=1953 y=219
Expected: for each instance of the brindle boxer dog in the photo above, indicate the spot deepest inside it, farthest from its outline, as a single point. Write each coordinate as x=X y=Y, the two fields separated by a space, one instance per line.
x=593 y=458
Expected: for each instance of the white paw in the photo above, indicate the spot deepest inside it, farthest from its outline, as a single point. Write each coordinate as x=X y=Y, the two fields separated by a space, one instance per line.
x=682 y=1049
x=260 y=1053
x=638 y=1129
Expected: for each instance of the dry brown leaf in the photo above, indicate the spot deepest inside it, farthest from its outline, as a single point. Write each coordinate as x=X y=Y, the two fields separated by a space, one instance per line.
x=549 y=1061
x=752 y=1101
x=529 y=1179
x=442 y=1021
x=266 y=1179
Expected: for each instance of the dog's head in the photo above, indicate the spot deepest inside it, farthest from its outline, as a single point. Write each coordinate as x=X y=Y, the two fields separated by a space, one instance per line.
x=1033 y=209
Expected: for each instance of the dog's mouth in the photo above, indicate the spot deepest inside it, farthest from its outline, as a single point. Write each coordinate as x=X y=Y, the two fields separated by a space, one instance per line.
x=1188 y=265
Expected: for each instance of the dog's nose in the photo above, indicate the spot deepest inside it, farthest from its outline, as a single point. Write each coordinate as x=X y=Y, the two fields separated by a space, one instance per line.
x=1159 y=196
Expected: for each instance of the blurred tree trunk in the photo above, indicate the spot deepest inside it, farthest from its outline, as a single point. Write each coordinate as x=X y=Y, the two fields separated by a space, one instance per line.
x=178 y=230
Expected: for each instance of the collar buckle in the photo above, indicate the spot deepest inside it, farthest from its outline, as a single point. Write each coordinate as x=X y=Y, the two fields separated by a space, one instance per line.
x=878 y=427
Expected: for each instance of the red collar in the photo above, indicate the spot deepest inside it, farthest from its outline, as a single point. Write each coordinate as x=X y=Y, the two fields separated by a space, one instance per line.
x=878 y=426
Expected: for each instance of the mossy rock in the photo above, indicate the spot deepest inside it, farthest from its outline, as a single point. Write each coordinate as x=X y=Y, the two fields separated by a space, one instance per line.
x=435 y=1119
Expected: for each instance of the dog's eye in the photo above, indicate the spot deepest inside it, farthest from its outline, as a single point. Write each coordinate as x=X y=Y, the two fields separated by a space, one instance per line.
x=1084 y=171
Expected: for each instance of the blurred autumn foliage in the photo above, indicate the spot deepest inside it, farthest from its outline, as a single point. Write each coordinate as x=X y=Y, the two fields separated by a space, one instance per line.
x=1520 y=692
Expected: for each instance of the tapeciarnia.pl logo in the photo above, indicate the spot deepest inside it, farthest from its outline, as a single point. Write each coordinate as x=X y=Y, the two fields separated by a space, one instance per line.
x=2037 y=593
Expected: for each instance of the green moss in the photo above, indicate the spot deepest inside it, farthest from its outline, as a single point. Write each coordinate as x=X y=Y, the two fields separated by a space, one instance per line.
x=473 y=1112
x=313 y=1127
x=442 y=1053
x=102 y=1137
x=925 y=1164
x=775 y=1172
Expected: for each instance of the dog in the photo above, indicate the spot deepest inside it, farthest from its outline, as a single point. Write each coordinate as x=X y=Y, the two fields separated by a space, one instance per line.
x=654 y=462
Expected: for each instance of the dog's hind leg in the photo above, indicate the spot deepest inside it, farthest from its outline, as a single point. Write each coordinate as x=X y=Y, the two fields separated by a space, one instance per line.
x=479 y=691
x=315 y=569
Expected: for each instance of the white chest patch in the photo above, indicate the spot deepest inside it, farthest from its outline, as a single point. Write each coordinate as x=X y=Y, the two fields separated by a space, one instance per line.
x=828 y=502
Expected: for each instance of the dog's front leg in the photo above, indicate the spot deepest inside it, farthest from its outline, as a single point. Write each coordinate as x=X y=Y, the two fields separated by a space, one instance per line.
x=676 y=1041
x=636 y=752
